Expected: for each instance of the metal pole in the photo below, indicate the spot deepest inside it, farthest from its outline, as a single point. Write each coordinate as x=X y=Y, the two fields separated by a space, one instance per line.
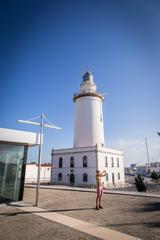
x=97 y=157
x=148 y=161
x=41 y=124
x=39 y=161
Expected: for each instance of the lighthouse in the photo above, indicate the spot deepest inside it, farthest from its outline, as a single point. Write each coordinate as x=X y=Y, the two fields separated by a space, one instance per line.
x=88 y=129
x=77 y=165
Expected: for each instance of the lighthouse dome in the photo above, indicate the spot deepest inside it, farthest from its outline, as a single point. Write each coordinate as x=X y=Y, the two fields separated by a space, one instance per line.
x=88 y=77
x=87 y=85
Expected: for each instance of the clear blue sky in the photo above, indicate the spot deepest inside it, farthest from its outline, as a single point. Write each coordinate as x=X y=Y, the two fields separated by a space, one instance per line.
x=47 y=45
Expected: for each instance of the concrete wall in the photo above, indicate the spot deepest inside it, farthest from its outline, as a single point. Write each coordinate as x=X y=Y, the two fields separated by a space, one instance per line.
x=31 y=173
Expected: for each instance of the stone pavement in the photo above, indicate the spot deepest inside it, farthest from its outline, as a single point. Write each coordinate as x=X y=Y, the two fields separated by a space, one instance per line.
x=16 y=224
x=133 y=215
x=117 y=192
x=67 y=215
x=82 y=226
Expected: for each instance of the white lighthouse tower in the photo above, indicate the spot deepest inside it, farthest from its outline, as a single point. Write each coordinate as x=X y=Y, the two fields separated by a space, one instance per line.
x=89 y=129
x=77 y=166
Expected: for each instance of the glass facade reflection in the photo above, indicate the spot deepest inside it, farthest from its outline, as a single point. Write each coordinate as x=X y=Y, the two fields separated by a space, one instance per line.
x=12 y=172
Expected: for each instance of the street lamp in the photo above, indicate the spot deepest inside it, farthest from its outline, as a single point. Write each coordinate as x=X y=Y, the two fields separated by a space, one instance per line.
x=41 y=124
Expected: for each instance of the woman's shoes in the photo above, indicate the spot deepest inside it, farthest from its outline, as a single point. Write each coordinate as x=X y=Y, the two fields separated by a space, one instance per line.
x=98 y=208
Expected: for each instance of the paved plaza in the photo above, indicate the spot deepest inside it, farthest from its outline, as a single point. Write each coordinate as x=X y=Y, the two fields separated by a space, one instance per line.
x=138 y=216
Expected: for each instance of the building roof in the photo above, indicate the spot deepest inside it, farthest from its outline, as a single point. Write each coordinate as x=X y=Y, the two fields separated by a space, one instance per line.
x=12 y=136
x=87 y=149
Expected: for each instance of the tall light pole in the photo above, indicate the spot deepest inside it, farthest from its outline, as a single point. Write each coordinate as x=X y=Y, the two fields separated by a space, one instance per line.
x=148 y=160
x=41 y=124
x=147 y=152
x=39 y=160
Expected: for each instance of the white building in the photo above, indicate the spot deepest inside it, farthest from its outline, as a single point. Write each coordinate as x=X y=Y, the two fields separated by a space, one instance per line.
x=32 y=170
x=78 y=165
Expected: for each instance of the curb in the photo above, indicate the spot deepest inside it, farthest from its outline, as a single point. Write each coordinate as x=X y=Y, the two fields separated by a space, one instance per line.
x=137 y=194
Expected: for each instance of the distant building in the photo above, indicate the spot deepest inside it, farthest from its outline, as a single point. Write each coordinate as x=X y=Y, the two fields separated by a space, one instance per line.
x=32 y=170
x=144 y=170
x=78 y=165
x=133 y=169
x=155 y=167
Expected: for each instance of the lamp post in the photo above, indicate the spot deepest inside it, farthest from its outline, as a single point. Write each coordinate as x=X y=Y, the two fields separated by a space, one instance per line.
x=39 y=160
x=41 y=124
x=147 y=153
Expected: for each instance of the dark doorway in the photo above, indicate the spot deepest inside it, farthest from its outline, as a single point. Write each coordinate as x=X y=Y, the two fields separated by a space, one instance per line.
x=72 y=179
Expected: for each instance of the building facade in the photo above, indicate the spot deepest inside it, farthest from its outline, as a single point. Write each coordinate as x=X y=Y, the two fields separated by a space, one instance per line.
x=78 y=165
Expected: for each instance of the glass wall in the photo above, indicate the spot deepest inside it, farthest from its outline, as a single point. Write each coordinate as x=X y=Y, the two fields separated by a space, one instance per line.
x=12 y=171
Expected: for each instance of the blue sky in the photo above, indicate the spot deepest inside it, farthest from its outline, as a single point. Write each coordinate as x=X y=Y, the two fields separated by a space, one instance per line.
x=46 y=46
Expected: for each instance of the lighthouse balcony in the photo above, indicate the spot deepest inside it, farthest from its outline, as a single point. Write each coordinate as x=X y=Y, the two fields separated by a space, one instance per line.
x=84 y=91
x=87 y=93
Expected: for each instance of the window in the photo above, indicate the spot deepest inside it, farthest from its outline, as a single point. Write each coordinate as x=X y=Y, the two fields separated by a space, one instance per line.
x=106 y=162
x=112 y=162
x=113 y=180
x=72 y=162
x=85 y=161
x=85 y=177
x=59 y=176
x=60 y=162
x=107 y=177
x=12 y=165
x=117 y=162
x=118 y=176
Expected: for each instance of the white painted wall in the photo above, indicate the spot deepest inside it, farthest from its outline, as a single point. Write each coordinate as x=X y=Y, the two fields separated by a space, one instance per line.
x=117 y=170
x=31 y=173
x=88 y=122
x=78 y=169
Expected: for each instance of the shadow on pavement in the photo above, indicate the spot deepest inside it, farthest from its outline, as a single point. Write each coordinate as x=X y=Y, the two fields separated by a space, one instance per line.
x=151 y=207
x=46 y=211
x=148 y=207
x=147 y=224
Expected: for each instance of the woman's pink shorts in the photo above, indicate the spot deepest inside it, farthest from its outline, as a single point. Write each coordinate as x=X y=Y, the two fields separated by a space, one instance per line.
x=99 y=191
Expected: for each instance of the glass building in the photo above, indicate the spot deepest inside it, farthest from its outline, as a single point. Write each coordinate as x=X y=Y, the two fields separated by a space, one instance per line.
x=13 y=157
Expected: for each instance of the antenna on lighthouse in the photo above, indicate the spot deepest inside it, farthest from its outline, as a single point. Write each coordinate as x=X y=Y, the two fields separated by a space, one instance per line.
x=104 y=94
